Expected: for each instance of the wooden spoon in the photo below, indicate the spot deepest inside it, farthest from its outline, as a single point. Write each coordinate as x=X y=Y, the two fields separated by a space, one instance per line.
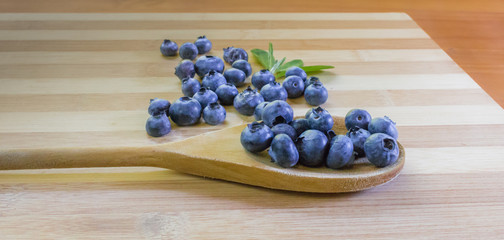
x=217 y=154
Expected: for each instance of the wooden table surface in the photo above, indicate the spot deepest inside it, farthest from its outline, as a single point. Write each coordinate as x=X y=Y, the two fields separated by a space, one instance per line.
x=450 y=187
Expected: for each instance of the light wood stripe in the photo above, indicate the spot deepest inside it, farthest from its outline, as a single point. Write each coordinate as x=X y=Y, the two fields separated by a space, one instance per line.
x=221 y=34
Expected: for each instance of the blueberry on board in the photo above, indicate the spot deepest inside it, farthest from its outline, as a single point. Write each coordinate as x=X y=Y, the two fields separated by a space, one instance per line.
x=340 y=152
x=296 y=71
x=232 y=54
x=226 y=93
x=277 y=112
x=258 y=110
x=283 y=151
x=213 y=80
x=205 y=64
x=320 y=119
x=357 y=118
x=294 y=86
x=244 y=66
x=300 y=125
x=158 y=126
x=214 y=114
x=185 y=111
x=203 y=45
x=168 y=48
x=246 y=101
x=358 y=136
x=309 y=81
x=158 y=106
x=256 y=137
x=316 y=94
x=185 y=69
x=235 y=76
x=205 y=96
x=312 y=148
x=284 y=128
x=383 y=125
x=261 y=78
x=273 y=91
x=381 y=149
x=188 y=51
x=190 y=86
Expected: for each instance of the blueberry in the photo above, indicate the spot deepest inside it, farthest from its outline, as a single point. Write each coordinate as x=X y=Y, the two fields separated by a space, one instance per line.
x=246 y=101
x=235 y=76
x=261 y=78
x=312 y=147
x=300 y=125
x=276 y=112
x=244 y=66
x=226 y=93
x=320 y=119
x=340 y=152
x=285 y=129
x=383 y=125
x=232 y=54
x=203 y=45
x=214 y=114
x=330 y=134
x=357 y=118
x=158 y=106
x=309 y=112
x=296 y=71
x=358 y=137
x=213 y=80
x=185 y=69
x=185 y=111
x=294 y=86
x=188 y=51
x=190 y=86
x=283 y=151
x=273 y=91
x=205 y=64
x=205 y=96
x=309 y=81
x=316 y=94
x=168 y=48
x=158 y=125
x=256 y=137
x=258 y=110
x=381 y=149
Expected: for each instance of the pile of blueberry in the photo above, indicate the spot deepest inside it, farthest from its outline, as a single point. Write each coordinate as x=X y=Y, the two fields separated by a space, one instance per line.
x=311 y=142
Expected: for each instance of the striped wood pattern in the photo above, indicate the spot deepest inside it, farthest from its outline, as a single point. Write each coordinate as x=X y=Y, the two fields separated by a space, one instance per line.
x=72 y=80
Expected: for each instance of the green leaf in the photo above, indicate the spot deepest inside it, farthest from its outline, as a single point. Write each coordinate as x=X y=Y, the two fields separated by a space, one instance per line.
x=307 y=69
x=277 y=65
x=293 y=63
x=261 y=56
x=272 y=60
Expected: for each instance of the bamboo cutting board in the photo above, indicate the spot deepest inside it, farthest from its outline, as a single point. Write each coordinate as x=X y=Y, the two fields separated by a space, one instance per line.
x=77 y=80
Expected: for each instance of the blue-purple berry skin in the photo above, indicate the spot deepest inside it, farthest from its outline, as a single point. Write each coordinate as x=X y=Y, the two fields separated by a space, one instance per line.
x=226 y=93
x=296 y=71
x=203 y=45
x=158 y=106
x=312 y=148
x=235 y=76
x=205 y=96
x=358 y=137
x=309 y=81
x=244 y=66
x=258 y=110
x=256 y=137
x=381 y=149
x=188 y=51
x=246 y=101
x=273 y=91
x=168 y=48
x=340 y=153
x=284 y=128
x=232 y=54
x=300 y=125
x=320 y=119
x=185 y=69
x=294 y=86
x=185 y=111
x=357 y=118
x=158 y=126
x=205 y=64
x=383 y=125
x=261 y=78
x=214 y=114
x=283 y=151
x=213 y=80
x=190 y=86
x=276 y=112
x=316 y=94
